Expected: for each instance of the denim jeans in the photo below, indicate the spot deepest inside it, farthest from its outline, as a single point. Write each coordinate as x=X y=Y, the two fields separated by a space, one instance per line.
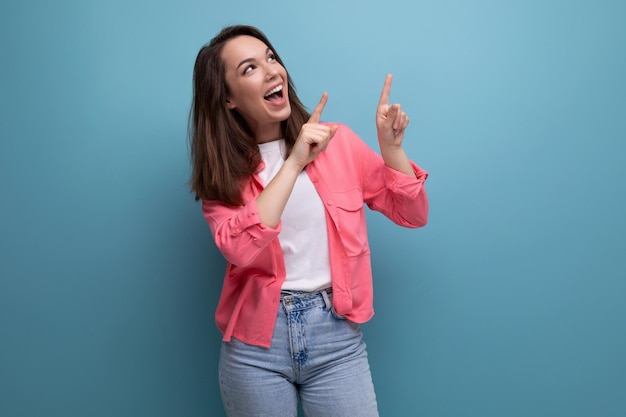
x=315 y=356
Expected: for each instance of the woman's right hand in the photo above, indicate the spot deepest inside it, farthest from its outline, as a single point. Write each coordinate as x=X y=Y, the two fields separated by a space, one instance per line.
x=313 y=138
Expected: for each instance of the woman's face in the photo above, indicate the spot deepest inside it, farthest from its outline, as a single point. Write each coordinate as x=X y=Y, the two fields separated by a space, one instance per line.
x=257 y=85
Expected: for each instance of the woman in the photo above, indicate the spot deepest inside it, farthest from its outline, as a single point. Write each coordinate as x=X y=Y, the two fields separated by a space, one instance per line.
x=283 y=195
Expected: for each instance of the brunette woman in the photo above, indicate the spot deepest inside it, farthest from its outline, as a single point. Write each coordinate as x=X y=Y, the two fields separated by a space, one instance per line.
x=283 y=194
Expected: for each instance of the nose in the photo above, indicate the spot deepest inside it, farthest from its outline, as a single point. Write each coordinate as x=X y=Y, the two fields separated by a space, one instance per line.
x=271 y=70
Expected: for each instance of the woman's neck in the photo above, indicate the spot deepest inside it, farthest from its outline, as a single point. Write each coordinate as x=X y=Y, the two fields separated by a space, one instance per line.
x=268 y=133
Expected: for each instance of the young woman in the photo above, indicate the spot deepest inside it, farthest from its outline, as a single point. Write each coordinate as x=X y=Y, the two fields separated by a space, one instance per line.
x=283 y=194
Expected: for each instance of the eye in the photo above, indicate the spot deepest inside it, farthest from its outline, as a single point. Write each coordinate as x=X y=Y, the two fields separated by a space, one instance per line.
x=271 y=57
x=248 y=69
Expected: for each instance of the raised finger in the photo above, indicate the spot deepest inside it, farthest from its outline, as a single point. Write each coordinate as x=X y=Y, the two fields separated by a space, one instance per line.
x=317 y=112
x=384 y=95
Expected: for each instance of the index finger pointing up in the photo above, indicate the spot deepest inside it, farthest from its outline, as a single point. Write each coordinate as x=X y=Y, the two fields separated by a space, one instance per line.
x=384 y=96
x=317 y=112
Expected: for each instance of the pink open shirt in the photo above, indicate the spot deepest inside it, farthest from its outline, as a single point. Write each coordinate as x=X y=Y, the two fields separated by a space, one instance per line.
x=346 y=175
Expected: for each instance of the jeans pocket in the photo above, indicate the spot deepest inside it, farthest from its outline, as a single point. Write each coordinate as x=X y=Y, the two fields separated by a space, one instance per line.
x=335 y=315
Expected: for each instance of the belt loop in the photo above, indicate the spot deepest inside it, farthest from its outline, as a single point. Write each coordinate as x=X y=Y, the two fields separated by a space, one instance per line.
x=326 y=300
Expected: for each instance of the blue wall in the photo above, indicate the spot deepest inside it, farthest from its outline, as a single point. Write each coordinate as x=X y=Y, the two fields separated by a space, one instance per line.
x=509 y=303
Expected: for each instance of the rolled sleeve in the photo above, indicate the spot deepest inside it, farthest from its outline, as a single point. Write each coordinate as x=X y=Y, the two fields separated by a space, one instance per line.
x=403 y=184
x=403 y=198
x=238 y=231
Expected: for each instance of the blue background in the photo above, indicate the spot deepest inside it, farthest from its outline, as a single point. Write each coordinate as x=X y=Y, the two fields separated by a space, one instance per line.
x=509 y=303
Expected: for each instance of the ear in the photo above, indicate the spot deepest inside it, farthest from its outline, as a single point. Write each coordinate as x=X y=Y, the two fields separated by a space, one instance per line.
x=230 y=104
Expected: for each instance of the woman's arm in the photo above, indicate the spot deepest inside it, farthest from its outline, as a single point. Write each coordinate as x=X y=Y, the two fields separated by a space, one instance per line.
x=312 y=140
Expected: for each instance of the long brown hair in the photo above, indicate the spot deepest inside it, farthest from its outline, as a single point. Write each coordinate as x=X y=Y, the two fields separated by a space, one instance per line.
x=223 y=149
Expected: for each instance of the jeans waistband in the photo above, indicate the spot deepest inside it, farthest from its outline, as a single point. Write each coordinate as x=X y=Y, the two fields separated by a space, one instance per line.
x=300 y=300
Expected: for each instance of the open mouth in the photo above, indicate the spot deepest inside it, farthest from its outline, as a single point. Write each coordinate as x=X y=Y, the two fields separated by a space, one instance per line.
x=275 y=94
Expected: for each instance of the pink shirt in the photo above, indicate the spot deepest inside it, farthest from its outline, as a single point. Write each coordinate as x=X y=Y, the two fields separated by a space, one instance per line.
x=346 y=175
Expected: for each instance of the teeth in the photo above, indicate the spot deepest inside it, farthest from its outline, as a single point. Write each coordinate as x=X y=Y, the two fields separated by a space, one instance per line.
x=274 y=90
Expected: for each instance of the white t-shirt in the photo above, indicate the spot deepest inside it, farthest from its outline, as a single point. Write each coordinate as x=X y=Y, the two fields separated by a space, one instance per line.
x=303 y=237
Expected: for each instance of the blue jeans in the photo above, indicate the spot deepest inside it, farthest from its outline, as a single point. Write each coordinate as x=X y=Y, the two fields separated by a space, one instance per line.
x=315 y=356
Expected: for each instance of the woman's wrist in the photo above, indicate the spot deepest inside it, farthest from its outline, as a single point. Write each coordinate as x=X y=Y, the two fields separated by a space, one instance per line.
x=395 y=157
x=292 y=165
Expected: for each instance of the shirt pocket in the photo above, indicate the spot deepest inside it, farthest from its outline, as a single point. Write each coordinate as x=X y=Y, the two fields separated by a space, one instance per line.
x=351 y=220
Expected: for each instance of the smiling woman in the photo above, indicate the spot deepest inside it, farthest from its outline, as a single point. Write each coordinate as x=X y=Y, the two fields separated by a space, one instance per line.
x=224 y=149
x=285 y=205
x=256 y=86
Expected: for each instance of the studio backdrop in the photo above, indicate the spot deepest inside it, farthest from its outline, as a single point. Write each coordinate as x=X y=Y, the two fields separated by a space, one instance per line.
x=510 y=302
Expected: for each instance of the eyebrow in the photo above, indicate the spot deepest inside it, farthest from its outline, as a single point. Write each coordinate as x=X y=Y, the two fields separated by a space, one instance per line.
x=267 y=51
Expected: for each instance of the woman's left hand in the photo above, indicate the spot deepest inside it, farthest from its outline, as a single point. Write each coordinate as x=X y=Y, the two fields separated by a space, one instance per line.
x=391 y=121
